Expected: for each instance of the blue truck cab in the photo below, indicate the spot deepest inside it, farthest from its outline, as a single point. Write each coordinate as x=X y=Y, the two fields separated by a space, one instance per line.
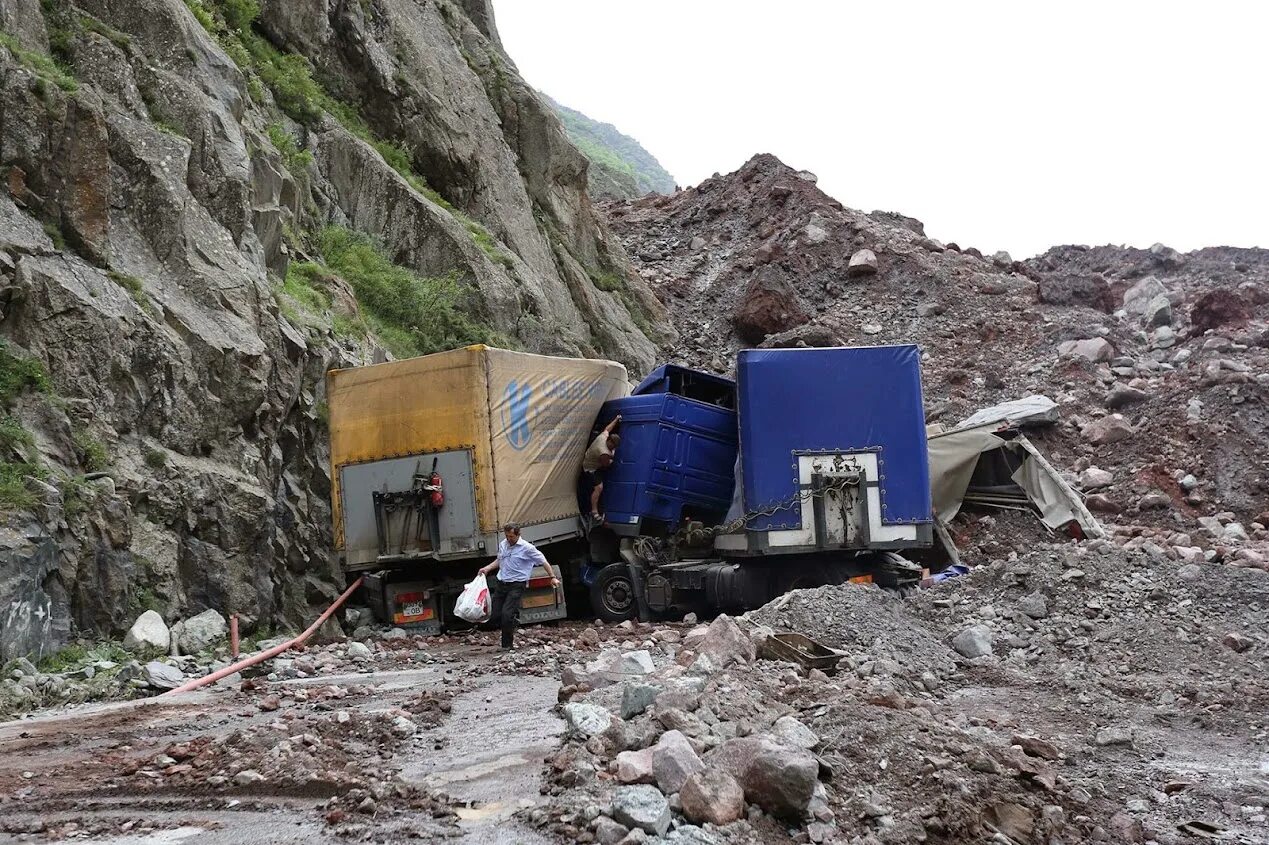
x=677 y=454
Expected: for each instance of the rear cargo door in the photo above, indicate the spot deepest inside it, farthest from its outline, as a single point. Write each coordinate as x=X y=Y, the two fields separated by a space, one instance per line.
x=459 y=532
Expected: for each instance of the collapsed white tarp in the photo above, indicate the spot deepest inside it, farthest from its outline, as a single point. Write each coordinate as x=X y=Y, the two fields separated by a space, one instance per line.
x=954 y=455
x=1030 y=410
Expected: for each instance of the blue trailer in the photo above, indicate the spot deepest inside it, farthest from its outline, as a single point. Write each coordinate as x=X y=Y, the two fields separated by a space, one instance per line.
x=811 y=468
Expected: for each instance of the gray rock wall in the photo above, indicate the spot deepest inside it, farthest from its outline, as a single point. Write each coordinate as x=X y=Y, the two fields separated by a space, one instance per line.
x=144 y=219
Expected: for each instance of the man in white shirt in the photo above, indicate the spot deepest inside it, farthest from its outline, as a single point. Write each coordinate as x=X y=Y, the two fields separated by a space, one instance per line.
x=515 y=561
x=595 y=463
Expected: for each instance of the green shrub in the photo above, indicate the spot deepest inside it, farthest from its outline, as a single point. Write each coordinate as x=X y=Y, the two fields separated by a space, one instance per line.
x=293 y=157
x=92 y=452
x=13 y=435
x=77 y=494
x=240 y=14
x=14 y=494
x=18 y=375
x=54 y=232
x=155 y=458
x=411 y=314
x=120 y=39
x=607 y=281
x=202 y=14
x=302 y=285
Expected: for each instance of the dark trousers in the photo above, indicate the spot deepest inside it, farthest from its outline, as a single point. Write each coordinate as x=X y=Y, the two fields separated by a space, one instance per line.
x=504 y=609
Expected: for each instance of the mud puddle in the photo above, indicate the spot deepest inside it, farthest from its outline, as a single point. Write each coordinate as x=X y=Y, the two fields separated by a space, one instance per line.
x=487 y=756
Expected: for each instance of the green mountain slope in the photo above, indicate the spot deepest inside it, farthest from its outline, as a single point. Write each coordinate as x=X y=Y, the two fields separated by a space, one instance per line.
x=621 y=167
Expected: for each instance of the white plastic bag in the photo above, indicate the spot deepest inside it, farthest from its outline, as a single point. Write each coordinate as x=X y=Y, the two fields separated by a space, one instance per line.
x=473 y=604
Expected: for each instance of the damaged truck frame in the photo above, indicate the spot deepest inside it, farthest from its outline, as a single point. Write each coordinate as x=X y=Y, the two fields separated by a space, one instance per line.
x=811 y=468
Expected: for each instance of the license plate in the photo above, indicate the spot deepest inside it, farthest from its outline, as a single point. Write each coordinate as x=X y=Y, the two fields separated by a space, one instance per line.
x=544 y=600
x=412 y=608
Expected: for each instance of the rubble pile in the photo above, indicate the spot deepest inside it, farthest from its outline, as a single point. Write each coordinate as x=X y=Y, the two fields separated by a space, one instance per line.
x=1076 y=693
x=1159 y=361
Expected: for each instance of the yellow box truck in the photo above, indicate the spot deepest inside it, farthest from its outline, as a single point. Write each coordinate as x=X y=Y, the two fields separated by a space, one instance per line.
x=431 y=456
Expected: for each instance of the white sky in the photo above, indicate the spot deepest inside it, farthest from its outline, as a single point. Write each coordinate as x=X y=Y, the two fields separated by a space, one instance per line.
x=1000 y=125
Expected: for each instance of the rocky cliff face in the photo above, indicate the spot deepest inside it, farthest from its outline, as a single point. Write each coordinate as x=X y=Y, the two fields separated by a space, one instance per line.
x=166 y=165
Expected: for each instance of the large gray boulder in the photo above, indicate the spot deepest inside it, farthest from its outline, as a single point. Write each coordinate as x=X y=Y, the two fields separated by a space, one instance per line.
x=202 y=632
x=778 y=778
x=642 y=807
x=585 y=720
x=162 y=675
x=972 y=642
x=148 y=633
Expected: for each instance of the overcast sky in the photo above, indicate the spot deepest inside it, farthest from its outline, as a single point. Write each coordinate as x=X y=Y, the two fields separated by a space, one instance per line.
x=1000 y=125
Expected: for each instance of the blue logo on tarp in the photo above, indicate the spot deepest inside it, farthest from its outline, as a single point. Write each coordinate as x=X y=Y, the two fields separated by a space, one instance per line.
x=516 y=415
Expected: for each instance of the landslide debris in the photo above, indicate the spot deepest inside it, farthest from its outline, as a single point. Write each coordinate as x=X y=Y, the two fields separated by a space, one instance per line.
x=1159 y=361
x=1123 y=695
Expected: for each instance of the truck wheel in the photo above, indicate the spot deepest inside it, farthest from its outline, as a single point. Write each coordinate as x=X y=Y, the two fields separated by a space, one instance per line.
x=612 y=595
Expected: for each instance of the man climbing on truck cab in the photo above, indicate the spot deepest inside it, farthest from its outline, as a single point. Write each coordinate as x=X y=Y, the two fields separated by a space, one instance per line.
x=595 y=463
x=515 y=561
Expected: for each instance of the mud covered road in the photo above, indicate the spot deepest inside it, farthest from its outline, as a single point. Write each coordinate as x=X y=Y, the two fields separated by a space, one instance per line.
x=451 y=749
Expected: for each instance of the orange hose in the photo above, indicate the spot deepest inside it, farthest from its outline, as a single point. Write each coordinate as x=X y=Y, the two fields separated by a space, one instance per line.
x=273 y=652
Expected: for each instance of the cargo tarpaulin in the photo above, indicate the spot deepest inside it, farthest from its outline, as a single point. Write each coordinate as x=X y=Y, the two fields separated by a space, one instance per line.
x=524 y=418
x=832 y=400
x=540 y=414
x=977 y=462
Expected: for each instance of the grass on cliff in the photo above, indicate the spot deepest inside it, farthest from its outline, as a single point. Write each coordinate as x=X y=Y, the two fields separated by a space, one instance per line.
x=289 y=76
x=409 y=313
x=44 y=67
x=19 y=375
x=293 y=157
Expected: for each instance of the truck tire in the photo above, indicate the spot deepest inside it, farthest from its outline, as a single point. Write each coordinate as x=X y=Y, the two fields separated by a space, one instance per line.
x=612 y=596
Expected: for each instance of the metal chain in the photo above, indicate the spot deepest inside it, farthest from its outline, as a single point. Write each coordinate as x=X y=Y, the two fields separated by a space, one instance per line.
x=746 y=519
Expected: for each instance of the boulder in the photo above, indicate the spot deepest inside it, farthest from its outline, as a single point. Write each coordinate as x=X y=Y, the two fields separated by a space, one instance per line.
x=636 y=663
x=1123 y=395
x=973 y=642
x=1158 y=312
x=642 y=807
x=609 y=832
x=792 y=732
x=1094 y=349
x=1108 y=429
x=713 y=796
x=778 y=778
x=359 y=651
x=162 y=676
x=610 y=667
x=148 y=633
x=1114 y=735
x=585 y=720
x=202 y=632
x=1035 y=605
x=635 y=766
x=862 y=263
x=769 y=306
x=1138 y=298
x=725 y=643
x=673 y=759
x=1237 y=642
x=636 y=698
x=1217 y=308
x=1094 y=478
x=1013 y=820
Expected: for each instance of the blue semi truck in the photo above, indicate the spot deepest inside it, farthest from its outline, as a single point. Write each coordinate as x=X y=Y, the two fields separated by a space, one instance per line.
x=811 y=468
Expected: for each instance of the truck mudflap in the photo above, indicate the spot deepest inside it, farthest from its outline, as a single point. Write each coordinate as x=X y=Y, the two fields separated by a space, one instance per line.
x=542 y=602
x=412 y=605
